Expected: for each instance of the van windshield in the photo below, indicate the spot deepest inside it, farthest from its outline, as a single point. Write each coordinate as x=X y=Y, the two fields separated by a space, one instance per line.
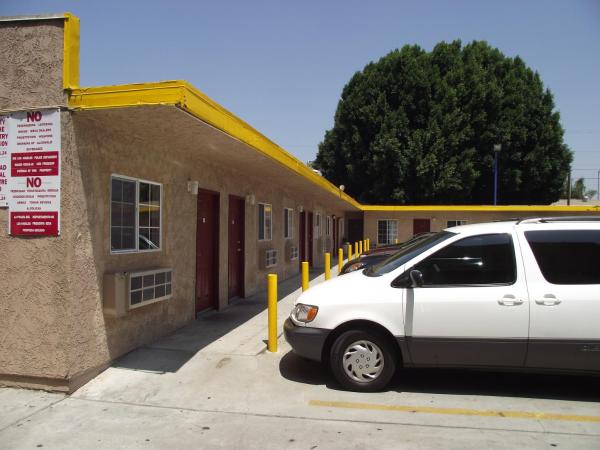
x=405 y=254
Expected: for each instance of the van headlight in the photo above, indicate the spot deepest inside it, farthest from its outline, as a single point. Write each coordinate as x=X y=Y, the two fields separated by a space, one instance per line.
x=304 y=313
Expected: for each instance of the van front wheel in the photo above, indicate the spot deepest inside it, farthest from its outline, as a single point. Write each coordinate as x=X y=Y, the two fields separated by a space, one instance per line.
x=362 y=360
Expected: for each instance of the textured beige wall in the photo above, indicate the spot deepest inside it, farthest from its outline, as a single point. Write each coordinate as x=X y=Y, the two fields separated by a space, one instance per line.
x=128 y=147
x=31 y=69
x=34 y=279
x=36 y=307
x=439 y=219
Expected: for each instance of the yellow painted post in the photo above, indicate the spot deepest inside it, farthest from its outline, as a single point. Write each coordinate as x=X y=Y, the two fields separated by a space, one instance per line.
x=368 y=244
x=340 y=259
x=360 y=247
x=272 y=304
x=327 y=265
x=356 y=249
x=304 y=276
x=396 y=241
x=349 y=252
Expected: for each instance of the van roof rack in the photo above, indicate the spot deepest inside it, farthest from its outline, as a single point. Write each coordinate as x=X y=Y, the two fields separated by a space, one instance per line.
x=561 y=219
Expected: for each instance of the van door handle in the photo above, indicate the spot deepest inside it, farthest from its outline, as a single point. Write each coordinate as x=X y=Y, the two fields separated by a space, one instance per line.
x=548 y=300
x=510 y=300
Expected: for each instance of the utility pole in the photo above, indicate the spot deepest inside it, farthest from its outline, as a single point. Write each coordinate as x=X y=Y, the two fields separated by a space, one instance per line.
x=569 y=189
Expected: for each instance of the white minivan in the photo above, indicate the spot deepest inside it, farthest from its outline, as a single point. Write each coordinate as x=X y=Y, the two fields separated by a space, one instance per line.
x=517 y=295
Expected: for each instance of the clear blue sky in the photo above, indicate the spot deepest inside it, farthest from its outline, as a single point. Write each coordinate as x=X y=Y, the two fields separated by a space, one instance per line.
x=281 y=65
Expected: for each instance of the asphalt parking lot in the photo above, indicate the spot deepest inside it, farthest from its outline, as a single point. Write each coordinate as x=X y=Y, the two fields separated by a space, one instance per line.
x=204 y=388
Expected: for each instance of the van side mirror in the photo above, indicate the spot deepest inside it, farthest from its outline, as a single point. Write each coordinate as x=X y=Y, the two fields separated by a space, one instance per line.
x=410 y=279
x=416 y=278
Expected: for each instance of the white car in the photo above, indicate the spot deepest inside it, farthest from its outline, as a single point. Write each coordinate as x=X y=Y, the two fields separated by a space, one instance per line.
x=521 y=295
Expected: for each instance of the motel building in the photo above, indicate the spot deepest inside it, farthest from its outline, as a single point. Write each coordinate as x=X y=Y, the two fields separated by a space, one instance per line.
x=127 y=210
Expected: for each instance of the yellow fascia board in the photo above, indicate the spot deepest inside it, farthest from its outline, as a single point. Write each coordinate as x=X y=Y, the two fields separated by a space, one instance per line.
x=71 y=52
x=120 y=96
x=184 y=95
x=481 y=208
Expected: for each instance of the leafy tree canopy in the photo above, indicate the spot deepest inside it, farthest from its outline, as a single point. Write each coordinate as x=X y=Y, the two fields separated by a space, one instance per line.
x=419 y=127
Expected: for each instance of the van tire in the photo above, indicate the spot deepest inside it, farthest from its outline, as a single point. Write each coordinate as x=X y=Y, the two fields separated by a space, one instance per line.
x=362 y=360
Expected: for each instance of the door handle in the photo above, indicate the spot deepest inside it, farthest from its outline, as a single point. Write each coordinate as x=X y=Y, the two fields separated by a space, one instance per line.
x=548 y=300
x=510 y=300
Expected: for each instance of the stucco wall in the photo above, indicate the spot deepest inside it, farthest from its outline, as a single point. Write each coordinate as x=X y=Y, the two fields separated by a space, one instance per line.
x=34 y=282
x=32 y=64
x=105 y=147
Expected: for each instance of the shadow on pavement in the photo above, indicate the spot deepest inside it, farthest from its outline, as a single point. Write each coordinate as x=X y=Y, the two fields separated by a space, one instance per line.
x=170 y=353
x=458 y=382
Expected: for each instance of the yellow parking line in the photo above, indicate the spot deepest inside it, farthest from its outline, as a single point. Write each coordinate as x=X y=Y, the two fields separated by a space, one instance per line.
x=457 y=411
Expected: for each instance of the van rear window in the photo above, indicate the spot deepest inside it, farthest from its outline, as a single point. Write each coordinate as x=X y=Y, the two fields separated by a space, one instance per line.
x=567 y=256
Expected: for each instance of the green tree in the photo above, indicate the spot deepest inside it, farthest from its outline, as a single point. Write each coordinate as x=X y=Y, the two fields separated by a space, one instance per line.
x=419 y=127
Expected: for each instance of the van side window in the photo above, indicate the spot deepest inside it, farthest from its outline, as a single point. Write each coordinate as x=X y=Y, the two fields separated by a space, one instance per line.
x=567 y=256
x=487 y=259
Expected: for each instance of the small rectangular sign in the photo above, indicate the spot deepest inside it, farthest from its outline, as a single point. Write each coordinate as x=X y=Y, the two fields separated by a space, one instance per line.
x=34 y=144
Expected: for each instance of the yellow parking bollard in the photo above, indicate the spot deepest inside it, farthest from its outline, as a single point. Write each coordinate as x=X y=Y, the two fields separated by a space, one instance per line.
x=272 y=304
x=349 y=252
x=396 y=241
x=327 y=265
x=368 y=244
x=360 y=247
x=356 y=249
x=340 y=259
x=304 y=276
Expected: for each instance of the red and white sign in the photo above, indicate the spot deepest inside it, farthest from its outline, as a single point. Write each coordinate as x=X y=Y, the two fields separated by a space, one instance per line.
x=34 y=182
x=4 y=161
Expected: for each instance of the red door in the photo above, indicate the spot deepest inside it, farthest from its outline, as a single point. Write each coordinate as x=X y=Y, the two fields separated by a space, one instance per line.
x=310 y=228
x=421 y=226
x=236 y=247
x=207 y=250
x=302 y=240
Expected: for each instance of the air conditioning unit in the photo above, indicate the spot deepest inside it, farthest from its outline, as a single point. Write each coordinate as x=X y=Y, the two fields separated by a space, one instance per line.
x=124 y=291
x=291 y=251
x=268 y=259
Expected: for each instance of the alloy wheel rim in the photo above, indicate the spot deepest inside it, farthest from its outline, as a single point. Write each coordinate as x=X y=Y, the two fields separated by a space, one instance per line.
x=363 y=361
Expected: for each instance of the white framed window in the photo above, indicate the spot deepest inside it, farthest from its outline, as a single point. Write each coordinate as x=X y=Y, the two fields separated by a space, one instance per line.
x=149 y=287
x=135 y=215
x=265 y=222
x=294 y=253
x=328 y=226
x=455 y=223
x=288 y=223
x=317 y=225
x=387 y=231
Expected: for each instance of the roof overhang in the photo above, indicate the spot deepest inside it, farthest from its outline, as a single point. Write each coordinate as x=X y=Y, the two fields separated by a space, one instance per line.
x=183 y=95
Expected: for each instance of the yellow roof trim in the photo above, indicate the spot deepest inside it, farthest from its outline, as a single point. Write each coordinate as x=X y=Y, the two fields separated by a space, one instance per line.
x=71 y=52
x=182 y=94
x=482 y=208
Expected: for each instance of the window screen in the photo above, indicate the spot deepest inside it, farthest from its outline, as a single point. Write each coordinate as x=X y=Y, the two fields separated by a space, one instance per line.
x=387 y=232
x=264 y=222
x=122 y=215
x=128 y=199
x=288 y=223
x=477 y=260
x=567 y=256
